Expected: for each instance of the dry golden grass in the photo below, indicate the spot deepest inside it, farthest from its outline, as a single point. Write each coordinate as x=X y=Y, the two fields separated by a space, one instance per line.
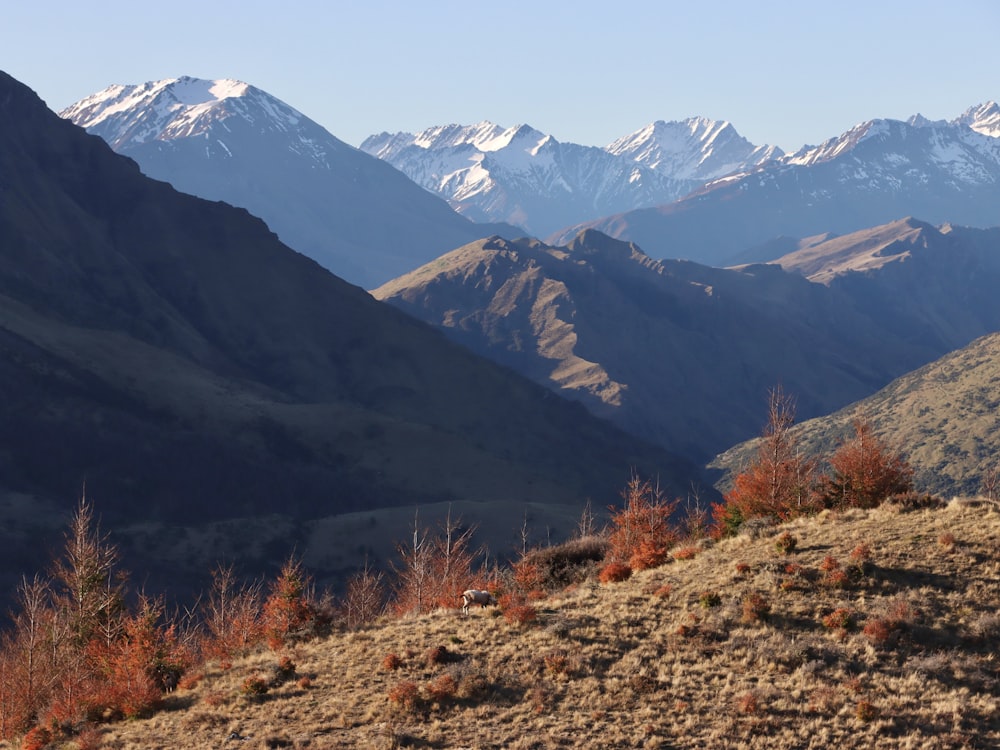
x=739 y=646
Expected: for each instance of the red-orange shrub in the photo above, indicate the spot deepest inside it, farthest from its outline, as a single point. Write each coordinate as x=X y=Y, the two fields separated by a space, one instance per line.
x=841 y=618
x=755 y=608
x=287 y=609
x=614 y=572
x=642 y=533
x=520 y=614
x=442 y=688
x=405 y=694
x=686 y=553
x=778 y=483
x=864 y=471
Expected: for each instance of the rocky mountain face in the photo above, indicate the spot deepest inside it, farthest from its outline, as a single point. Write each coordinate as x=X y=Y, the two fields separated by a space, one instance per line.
x=940 y=417
x=173 y=357
x=873 y=174
x=685 y=354
x=226 y=140
x=523 y=177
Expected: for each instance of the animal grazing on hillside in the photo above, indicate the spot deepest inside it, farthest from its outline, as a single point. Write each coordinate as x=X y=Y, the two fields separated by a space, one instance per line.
x=475 y=596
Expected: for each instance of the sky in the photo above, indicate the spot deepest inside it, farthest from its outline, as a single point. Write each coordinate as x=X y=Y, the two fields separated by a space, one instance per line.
x=783 y=72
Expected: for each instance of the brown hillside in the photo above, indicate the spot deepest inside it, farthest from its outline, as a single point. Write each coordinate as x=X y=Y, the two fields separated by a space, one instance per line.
x=742 y=646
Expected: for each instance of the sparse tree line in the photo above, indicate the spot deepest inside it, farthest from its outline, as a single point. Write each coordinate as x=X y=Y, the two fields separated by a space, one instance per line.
x=81 y=649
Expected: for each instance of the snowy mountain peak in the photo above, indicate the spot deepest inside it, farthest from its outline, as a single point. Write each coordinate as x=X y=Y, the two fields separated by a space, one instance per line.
x=697 y=149
x=983 y=118
x=175 y=108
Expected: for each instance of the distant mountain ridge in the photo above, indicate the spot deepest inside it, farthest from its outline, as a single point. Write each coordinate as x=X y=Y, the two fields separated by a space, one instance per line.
x=684 y=354
x=522 y=176
x=227 y=140
x=874 y=173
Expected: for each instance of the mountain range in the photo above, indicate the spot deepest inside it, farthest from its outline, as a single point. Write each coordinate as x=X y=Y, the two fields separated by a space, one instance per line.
x=693 y=189
x=226 y=140
x=684 y=354
x=172 y=359
x=521 y=176
x=875 y=173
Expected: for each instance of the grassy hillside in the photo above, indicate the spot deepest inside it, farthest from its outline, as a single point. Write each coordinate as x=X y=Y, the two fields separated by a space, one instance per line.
x=941 y=417
x=742 y=645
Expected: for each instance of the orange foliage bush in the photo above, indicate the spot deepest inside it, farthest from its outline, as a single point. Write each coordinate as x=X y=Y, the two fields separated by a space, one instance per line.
x=404 y=694
x=642 y=533
x=614 y=572
x=442 y=688
x=287 y=609
x=520 y=614
x=864 y=471
x=778 y=483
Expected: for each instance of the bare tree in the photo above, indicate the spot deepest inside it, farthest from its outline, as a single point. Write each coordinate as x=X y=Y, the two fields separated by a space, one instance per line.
x=365 y=599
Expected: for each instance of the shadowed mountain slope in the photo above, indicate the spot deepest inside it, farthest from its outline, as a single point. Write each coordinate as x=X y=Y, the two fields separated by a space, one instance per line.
x=680 y=353
x=173 y=355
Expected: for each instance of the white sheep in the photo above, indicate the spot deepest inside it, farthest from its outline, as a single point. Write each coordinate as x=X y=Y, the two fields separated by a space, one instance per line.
x=475 y=596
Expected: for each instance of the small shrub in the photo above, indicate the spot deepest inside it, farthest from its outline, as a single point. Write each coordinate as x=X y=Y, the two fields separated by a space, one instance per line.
x=866 y=711
x=748 y=703
x=879 y=630
x=709 y=599
x=405 y=695
x=685 y=630
x=190 y=680
x=555 y=662
x=947 y=541
x=214 y=698
x=305 y=682
x=862 y=554
x=520 y=614
x=785 y=544
x=861 y=559
x=438 y=655
x=284 y=670
x=686 y=553
x=88 y=738
x=742 y=569
x=614 y=573
x=254 y=685
x=649 y=554
x=838 y=579
x=842 y=618
x=833 y=575
x=664 y=591
x=755 y=608
x=391 y=662
x=444 y=687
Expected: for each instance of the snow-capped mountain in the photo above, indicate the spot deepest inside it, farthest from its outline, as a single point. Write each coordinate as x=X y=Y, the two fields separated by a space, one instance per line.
x=521 y=176
x=876 y=172
x=696 y=149
x=227 y=140
x=524 y=177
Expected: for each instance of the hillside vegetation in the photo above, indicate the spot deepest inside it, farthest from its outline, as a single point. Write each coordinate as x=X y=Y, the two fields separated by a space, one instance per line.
x=859 y=629
x=941 y=418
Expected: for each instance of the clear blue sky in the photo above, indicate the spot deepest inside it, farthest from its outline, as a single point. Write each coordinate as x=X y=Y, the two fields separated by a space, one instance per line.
x=785 y=72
